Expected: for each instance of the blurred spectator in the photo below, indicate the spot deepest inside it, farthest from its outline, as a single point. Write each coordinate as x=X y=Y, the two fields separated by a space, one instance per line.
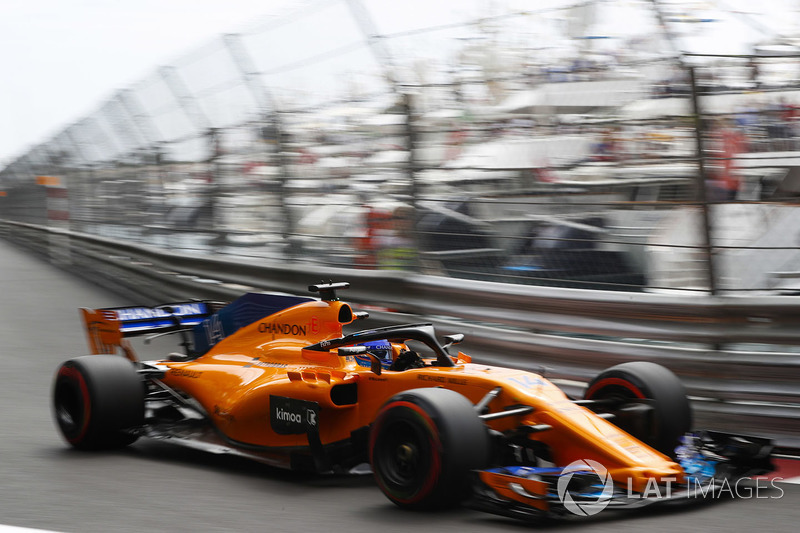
x=387 y=240
x=607 y=149
x=377 y=222
x=777 y=129
x=395 y=241
x=789 y=114
x=727 y=142
x=785 y=116
x=747 y=118
x=754 y=72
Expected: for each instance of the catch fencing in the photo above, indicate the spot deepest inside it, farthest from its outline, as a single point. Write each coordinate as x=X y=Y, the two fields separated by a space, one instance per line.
x=467 y=143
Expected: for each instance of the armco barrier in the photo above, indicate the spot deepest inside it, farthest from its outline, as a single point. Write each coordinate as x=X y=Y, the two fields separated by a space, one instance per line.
x=735 y=354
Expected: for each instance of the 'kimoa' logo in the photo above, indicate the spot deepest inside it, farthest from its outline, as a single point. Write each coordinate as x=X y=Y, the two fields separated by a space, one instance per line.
x=287 y=416
x=590 y=503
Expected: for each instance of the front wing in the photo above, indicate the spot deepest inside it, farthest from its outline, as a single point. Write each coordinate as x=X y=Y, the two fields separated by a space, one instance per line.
x=714 y=464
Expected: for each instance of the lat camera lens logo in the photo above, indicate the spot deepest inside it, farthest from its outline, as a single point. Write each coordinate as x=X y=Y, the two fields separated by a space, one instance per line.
x=593 y=475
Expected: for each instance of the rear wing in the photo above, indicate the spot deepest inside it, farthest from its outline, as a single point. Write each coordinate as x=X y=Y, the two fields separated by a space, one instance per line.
x=107 y=328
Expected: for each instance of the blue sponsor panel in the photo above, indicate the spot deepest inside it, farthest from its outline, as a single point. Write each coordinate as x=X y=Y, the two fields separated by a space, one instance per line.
x=133 y=320
x=240 y=313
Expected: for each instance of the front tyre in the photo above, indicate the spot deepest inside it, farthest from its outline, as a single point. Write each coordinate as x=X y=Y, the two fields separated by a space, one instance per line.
x=424 y=444
x=671 y=415
x=97 y=401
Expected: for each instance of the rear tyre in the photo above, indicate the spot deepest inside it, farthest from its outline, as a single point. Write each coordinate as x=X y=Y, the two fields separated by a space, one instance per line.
x=97 y=401
x=423 y=446
x=671 y=415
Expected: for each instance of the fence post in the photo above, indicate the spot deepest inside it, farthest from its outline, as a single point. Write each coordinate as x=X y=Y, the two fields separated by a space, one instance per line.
x=700 y=186
x=203 y=126
x=412 y=139
x=272 y=117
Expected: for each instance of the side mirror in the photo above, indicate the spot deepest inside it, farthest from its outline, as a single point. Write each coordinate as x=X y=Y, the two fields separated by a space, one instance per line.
x=346 y=351
x=375 y=362
x=450 y=340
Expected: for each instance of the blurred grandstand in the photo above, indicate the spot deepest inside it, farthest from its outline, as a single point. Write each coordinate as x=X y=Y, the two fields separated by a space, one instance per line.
x=510 y=142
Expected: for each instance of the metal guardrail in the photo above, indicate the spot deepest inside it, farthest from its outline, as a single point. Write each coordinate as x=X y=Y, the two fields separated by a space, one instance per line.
x=727 y=350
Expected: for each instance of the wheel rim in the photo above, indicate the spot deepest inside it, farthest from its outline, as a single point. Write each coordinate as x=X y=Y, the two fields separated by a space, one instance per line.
x=69 y=409
x=71 y=404
x=66 y=413
x=403 y=457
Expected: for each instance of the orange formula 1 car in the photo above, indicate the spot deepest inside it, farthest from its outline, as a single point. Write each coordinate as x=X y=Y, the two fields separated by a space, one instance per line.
x=273 y=377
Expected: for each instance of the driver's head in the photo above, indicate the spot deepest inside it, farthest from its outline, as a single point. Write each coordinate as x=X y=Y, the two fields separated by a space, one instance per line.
x=382 y=349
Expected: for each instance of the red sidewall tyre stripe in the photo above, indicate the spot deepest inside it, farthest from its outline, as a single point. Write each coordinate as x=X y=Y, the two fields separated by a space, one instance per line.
x=617 y=382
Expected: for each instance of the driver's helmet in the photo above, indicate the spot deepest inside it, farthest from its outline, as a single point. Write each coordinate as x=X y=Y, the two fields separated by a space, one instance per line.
x=382 y=349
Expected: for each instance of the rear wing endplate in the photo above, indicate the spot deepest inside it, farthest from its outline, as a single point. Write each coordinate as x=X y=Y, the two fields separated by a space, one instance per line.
x=107 y=328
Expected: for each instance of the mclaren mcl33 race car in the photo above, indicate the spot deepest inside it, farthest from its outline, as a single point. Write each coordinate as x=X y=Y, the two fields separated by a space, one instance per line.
x=273 y=377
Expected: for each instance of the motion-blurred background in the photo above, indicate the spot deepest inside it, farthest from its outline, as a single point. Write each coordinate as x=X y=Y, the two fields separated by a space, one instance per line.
x=620 y=145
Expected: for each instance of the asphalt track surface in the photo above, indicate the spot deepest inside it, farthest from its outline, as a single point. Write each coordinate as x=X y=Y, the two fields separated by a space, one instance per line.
x=155 y=486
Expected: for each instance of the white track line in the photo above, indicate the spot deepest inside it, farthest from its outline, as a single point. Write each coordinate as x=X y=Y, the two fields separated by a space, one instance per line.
x=15 y=529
